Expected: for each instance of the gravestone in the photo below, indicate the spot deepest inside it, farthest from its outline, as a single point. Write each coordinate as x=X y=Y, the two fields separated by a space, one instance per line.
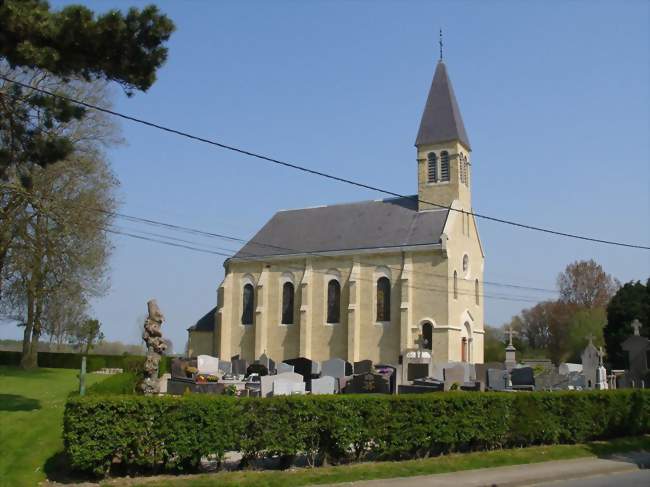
x=480 y=370
x=259 y=369
x=334 y=367
x=283 y=368
x=637 y=348
x=416 y=356
x=302 y=366
x=454 y=375
x=389 y=372
x=266 y=385
x=207 y=365
x=418 y=389
x=473 y=386
x=416 y=371
x=349 y=369
x=566 y=368
x=324 y=385
x=590 y=362
x=225 y=366
x=264 y=360
x=497 y=379
x=363 y=367
x=239 y=367
x=437 y=370
x=178 y=368
x=287 y=387
x=575 y=381
x=368 y=384
x=315 y=368
x=522 y=378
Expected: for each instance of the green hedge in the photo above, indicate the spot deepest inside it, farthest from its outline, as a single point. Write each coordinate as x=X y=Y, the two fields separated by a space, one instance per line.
x=174 y=433
x=124 y=383
x=63 y=360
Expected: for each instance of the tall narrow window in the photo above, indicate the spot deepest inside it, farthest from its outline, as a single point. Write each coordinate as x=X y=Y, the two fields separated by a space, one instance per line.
x=461 y=167
x=248 y=300
x=287 y=303
x=467 y=172
x=432 y=167
x=427 y=335
x=476 y=292
x=444 y=166
x=333 y=301
x=383 y=299
x=455 y=285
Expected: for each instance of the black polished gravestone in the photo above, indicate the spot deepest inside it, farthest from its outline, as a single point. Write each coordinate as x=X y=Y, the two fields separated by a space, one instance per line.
x=363 y=367
x=302 y=366
x=416 y=389
x=523 y=378
x=239 y=367
x=259 y=369
x=416 y=371
x=368 y=384
x=389 y=372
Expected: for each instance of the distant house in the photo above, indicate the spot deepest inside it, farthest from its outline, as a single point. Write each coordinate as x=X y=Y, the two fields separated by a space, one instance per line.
x=364 y=280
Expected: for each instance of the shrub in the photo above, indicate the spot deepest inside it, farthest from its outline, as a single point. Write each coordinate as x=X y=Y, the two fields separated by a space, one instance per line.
x=115 y=384
x=174 y=433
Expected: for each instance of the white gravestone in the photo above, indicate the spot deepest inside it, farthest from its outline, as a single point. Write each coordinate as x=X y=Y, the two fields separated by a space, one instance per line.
x=334 y=367
x=283 y=368
x=287 y=387
x=207 y=365
x=323 y=385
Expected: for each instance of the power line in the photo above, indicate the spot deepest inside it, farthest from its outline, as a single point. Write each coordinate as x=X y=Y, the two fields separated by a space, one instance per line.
x=434 y=289
x=320 y=173
x=253 y=257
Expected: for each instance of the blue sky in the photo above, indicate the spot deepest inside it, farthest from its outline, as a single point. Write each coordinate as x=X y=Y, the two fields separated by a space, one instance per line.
x=554 y=95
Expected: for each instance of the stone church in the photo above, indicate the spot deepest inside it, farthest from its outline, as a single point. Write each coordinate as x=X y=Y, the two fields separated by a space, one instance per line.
x=366 y=280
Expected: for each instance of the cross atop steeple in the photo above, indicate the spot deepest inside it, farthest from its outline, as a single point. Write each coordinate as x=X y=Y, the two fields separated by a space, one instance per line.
x=440 y=42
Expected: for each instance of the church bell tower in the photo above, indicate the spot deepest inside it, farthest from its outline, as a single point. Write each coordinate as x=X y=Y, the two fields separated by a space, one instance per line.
x=443 y=149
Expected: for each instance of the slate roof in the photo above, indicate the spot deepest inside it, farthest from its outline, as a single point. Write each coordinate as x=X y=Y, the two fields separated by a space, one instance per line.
x=205 y=323
x=385 y=223
x=441 y=120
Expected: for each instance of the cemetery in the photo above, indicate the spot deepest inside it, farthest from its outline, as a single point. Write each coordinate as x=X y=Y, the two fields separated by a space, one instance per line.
x=269 y=413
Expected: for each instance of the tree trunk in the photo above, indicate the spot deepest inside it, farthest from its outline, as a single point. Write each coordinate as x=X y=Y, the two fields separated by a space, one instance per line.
x=29 y=358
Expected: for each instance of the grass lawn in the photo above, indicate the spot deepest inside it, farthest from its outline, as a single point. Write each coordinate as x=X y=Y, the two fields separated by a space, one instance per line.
x=382 y=470
x=31 y=416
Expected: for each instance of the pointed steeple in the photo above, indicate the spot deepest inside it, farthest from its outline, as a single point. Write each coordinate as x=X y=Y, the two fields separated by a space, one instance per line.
x=441 y=120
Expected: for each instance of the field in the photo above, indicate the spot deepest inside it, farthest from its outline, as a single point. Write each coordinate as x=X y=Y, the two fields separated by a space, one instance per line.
x=31 y=415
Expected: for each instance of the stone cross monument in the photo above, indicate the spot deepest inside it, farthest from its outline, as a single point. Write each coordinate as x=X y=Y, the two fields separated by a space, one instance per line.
x=511 y=360
x=156 y=346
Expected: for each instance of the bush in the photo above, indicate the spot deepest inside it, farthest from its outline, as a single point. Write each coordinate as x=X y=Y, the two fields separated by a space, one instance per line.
x=115 y=384
x=174 y=433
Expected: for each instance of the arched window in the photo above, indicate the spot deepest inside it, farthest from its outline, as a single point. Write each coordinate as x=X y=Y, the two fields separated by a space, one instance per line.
x=444 y=166
x=465 y=263
x=455 y=285
x=427 y=335
x=287 y=303
x=476 y=292
x=333 y=301
x=248 y=300
x=466 y=172
x=383 y=299
x=461 y=168
x=432 y=167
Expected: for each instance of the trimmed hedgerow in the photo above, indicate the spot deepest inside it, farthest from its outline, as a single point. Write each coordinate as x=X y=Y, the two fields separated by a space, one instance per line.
x=94 y=362
x=124 y=383
x=174 y=433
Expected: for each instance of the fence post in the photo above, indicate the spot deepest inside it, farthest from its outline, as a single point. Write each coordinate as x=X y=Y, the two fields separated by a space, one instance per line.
x=82 y=377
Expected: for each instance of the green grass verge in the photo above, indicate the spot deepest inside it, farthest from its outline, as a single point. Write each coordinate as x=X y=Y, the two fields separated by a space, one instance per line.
x=409 y=468
x=31 y=420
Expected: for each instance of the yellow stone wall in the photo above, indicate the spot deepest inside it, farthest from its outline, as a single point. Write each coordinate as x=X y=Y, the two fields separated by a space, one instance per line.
x=443 y=193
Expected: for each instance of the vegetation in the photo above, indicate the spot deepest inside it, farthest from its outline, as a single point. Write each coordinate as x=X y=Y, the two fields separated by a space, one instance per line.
x=55 y=360
x=57 y=191
x=558 y=329
x=31 y=415
x=407 y=468
x=336 y=428
x=632 y=301
x=85 y=336
x=124 y=383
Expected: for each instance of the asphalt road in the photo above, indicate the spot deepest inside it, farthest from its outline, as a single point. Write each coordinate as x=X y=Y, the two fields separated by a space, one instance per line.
x=640 y=478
